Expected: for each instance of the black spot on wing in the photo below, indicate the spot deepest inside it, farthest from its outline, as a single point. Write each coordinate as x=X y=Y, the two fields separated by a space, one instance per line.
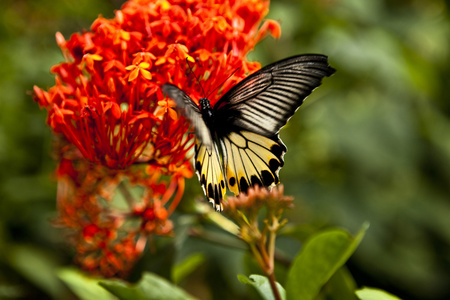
x=278 y=149
x=216 y=195
x=198 y=166
x=256 y=181
x=203 y=179
x=210 y=191
x=274 y=165
x=232 y=181
x=268 y=178
x=243 y=185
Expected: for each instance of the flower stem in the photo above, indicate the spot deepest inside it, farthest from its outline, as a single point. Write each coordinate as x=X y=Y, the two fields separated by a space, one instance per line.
x=273 y=285
x=126 y=193
x=271 y=256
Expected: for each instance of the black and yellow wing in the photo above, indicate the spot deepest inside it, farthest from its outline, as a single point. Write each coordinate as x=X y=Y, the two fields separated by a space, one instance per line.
x=251 y=159
x=253 y=112
x=208 y=167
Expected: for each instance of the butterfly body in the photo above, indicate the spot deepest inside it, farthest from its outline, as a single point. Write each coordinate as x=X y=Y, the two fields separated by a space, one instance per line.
x=237 y=143
x=207 y=112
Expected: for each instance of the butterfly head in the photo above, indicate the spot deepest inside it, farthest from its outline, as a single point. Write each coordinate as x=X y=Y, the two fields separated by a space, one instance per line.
x=204 y=104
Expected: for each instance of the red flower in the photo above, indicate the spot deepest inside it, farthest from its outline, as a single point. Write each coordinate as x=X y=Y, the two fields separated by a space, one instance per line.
x=112 y=213
x=108 y=105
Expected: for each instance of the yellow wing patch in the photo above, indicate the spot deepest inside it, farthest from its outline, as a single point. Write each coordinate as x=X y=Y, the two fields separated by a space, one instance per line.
x=251 y=159
x=210 y=174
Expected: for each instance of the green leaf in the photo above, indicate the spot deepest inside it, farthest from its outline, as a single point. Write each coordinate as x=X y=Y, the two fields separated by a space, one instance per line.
x=84 y=286
x=122 y=289
x=262 y=285
x=341 y=286
x=181 y=270
x=318 y=260
x=150 y=287
x=37 y=266
x=374 y=294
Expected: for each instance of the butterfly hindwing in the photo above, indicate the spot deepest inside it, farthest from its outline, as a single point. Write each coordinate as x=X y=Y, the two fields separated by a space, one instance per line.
x=210 y=173
x=251 y=159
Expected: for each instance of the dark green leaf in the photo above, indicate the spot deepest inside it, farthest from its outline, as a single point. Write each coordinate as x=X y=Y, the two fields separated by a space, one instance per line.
x=341 y=286
x=150 y=287
x=38 y=266
x=187 y=266
x=319 y=259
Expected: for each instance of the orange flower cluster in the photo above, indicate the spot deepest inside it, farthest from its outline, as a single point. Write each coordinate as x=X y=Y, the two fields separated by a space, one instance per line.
x=112 y=213
x=117 y=128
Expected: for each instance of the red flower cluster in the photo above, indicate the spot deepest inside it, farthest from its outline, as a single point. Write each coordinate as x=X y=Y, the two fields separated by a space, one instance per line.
x=119 y=129
x=112 y=213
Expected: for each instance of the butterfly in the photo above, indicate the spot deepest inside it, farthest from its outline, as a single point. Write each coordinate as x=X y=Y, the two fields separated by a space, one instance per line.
x=237 y=142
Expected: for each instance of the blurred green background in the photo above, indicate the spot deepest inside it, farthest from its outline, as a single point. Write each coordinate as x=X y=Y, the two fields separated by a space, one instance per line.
x=372 y=144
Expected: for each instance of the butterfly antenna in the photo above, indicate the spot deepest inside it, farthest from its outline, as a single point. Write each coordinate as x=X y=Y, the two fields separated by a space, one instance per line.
x=196 y=78
x=223 y=82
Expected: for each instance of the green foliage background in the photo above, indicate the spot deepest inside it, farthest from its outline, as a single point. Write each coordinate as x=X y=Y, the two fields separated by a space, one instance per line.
x=372 y=144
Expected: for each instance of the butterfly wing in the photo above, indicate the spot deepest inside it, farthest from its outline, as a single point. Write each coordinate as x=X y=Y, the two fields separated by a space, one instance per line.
x=251 y=159
x=264 y=101
x=250 y=115
x=210 y=173
x=207 y=161
x=191 y=111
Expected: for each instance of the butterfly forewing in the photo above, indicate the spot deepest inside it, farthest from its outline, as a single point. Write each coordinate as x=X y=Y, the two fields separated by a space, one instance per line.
x=190 y=110
x=264 y=101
